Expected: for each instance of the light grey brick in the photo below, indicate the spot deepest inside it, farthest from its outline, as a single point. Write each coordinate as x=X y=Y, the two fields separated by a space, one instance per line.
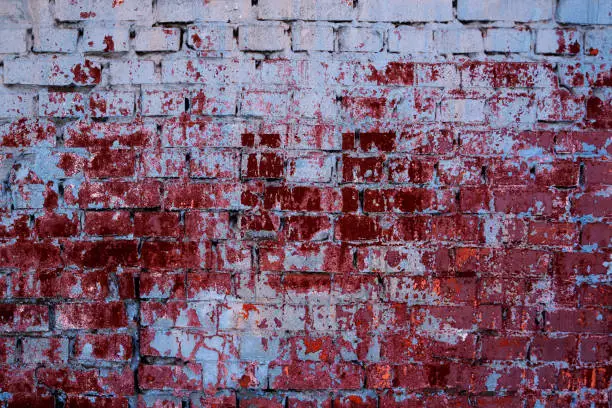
x=459 y=41
x=312 y=37
x=157 y=39
x=194 y=10
x=406 y=10
x=263 y=37
x=132 y=72
x=584 y=11
x=598 y=43
x=106 y=38
x=556 y=41
x=211 y=37
x=408 y=40
x=52 y=39
x=504 y=10
x=329 y=10
x=507 y=40
x=360 y=39
x=14 y=104
x=462 y=110
x=76 y=10
x=218 y=71
x=13 y=40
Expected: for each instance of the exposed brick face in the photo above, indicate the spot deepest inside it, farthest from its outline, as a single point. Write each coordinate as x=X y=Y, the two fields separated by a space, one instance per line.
x=305 y=203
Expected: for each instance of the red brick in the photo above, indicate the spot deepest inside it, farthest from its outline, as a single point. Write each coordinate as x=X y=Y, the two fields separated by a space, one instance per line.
x=24 y=132
x=111 y=163
x=408 y=200
x=413 y=170
x=302 y=376
x=79 y=381
x=119 y=194
x=264 y=165
x=108 y=223
x=99 y=134
x=546 y=348
x=57 y=225
x=92 y=315
x=157 y=224
x=92 y=254
x=504 y=348
x=188 y=377
x=68 y=284
x=362 y=169
x=595 y=348
x=307 y=228
x=357 y=228
x=29 y=254
x=171 y=255
x=114 y=347
x=24 y=318
x=554 y=234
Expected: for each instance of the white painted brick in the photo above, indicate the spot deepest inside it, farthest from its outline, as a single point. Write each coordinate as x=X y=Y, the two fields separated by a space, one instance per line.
x=409 y=40
x=132 y=72
x=213 y=100
x=157 y=39
x=215 y=163
x=13 y=40
x=111 y=103
x=598 y=43
x=507 y=40
x=61 y=104
x=52 y=39
x=504 y=10
x=310 y=103
x=437 y=75
x=312 y=37
x=13 y=104
x=158 y=102
x=406 y=10
x=263 y=37
x=111 y=38
x=207 y=71
x=330 y=10
x=360 y=39
x=584 y=11
x=194 y=10
x=17 y=10
x=211 y=37
x=76 y=10
x=314 y=167
x=52 y=71
x=284 y=72
x=277 y=9
x=264 y=104
x=459 y=41
x=462 y=110
x=511 y=108
x=553 y=41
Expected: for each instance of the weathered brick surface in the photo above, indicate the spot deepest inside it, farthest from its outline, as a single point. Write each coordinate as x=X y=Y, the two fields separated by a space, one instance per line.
x=305 y=203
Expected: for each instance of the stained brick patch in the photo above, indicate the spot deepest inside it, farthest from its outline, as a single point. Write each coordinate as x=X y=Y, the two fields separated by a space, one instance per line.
x=298 y=203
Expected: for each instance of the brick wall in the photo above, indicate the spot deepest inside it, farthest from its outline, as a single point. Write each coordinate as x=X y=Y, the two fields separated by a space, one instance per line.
x=302 y=203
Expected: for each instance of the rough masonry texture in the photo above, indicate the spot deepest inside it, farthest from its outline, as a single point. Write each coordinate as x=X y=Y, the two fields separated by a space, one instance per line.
x=305 y=203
